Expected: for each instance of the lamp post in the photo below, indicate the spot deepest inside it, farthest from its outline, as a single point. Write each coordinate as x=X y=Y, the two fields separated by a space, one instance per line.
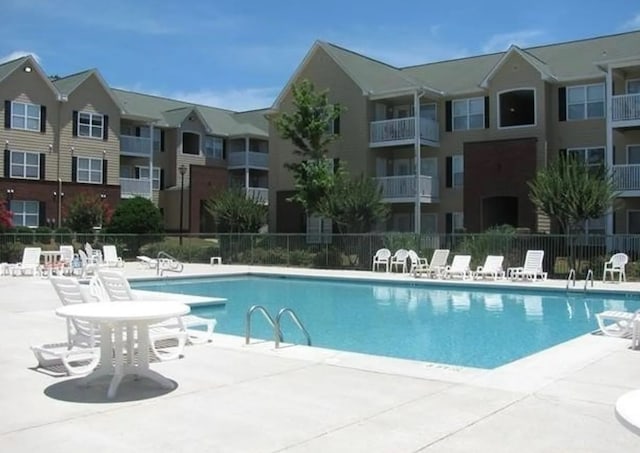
x=182 y=169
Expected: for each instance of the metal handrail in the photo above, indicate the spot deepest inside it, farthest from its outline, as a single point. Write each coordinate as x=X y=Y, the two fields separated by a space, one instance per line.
x=571 y=278
x=277 y=334
x=587 y=278
x=296 y=320
x=164 y=257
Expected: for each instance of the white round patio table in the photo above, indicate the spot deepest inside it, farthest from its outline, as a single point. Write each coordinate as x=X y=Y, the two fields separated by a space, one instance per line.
x=120 y=321
x=628 y=410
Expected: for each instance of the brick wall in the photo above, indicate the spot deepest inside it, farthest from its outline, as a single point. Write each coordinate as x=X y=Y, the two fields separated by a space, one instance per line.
x=204 y=182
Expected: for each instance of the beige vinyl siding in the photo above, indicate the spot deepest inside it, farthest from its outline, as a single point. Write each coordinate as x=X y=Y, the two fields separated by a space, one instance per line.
x=191 y=124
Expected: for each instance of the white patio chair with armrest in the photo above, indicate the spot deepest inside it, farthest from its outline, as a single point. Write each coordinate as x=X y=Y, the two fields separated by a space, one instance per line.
x=381 y=258
x=416 y=261
x=87 y=266
x=436 y=265
x=399 y=259
x=67 y=254
x=459 y=267
x=616 y=265
x=117 y=288
x=95 y=256
x=30 y=262
x=80 y=354
x=532 y=268
x=110 y=257
x=492 y=267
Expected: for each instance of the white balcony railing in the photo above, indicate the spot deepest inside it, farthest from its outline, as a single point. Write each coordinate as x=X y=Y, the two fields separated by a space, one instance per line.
x=404 y=187
x=403 y=129
x=248 y=159
x=135 y=146
x=259 y=194
x=625 y=107
x=626 y=177
x=130 y=187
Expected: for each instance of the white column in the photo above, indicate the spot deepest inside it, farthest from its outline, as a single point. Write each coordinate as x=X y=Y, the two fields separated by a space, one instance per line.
x=246 y=166
x=417 y=147
x=609 y=144
x=151 y=132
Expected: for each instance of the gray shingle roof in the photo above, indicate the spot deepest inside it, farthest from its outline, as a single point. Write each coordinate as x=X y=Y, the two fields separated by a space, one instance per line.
x=10 y=66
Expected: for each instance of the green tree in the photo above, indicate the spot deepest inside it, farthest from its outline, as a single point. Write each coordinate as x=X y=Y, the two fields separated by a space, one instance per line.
x=571 y=192
x=87 y=211
x=309 y=129
x=355 y=205
x=136 y=216
x=234 y=212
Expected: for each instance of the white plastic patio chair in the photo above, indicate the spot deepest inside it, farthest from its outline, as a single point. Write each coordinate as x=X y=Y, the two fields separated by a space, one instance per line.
x=399 y=260
x=532 y=268
x=492 y=267
x=381 y=258
x=87 y=266
x=416 y=261
x=67 y=254
x=616 y=265
x=436 y=265
x=459 y=267
x=30 y=262
x=110 y=257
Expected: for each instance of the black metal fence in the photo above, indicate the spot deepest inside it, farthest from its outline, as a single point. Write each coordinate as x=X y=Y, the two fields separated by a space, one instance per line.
x=346 y=251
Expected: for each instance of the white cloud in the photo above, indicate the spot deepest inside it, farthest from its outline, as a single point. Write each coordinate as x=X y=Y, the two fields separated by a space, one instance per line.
x=632 y=24
x=232 y=99
x=19 y=54
x=501 y=41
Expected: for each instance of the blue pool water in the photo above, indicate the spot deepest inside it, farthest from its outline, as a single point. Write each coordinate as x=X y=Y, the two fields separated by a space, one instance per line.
x=475 y=327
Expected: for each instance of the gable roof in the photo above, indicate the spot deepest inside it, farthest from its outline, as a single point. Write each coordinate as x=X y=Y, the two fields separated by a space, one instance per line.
x=9 y=67
x=540 y=66
x=68 y=84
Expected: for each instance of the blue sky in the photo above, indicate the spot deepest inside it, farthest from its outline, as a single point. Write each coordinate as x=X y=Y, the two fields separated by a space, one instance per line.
x=239 y=54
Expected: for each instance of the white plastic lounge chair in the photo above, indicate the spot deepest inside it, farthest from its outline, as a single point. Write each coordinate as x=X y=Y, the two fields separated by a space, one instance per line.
x=436 y=265
x=80 y=354
x=67 y=254
x=381 y=258
x=416 y=261
x=492 y=267
x=117 y=288
x=110 y=257
x=145 y=261
x=30 y=262
x=399 y=260
x=617 y=323
x=95 y=256
x=532 y=268
x=616 y=265
x=88 y=266
x=459 y=267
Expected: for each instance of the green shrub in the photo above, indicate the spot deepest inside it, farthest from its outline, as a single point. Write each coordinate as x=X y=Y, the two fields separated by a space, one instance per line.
x=192 y=252
x=24 y=235
x=63 y=235
x=43 y=234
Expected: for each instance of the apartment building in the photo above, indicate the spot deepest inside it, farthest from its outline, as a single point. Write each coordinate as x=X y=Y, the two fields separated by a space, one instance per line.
x=453 y=144
x=68 y=135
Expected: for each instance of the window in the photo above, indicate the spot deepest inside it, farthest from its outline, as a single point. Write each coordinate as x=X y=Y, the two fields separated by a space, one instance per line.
x=585 y=101
x=90 y=125
x=633 y=154
x=25 y=116
x=633 y=222
x=190 y=143
x=25 y=165
x=457 y=222
x=457 y=170
x=592 y=157
x=633 y=86
x=25 y=213
x=468 y=114
x=157 y=140
x=428 y=223
x=89 y=170
x=517 y=108
x=213 y=147
x=143 y=173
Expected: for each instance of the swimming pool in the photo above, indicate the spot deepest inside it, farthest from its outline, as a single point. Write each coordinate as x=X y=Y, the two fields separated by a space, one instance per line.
x=474 y=327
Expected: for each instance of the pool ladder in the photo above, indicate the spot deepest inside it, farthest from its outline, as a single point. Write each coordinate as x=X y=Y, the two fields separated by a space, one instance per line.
x=274 y=323
x=572 y=279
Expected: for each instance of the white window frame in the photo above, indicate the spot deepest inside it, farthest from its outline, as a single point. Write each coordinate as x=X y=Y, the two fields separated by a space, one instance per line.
x=629 y=212
x=22 y=215
x=535 y=108
x=467 y=102
x=24 y=165
x=586 y=101
x=91 y=172
x=156 y=175
x=25 y=117
x=633 y=145
x=585 y=153
x=459 y=159
x=216 y=153
x=87 y=130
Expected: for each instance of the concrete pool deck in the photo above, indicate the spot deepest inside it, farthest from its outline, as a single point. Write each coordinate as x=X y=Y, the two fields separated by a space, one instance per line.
x=236 y=398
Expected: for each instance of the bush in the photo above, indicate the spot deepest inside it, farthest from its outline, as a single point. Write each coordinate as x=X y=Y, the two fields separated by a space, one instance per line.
x=43 y=234
x=63 y=235
x=24 y=235
x=196 y=252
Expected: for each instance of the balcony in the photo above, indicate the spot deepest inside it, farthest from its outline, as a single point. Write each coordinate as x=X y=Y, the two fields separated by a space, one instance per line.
x=135 y=146
x=402 y=189
x=130 y=187
x=625 y=110
x=401 y=131
x=626 y=179
x=260 y=194
x=248 y=159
